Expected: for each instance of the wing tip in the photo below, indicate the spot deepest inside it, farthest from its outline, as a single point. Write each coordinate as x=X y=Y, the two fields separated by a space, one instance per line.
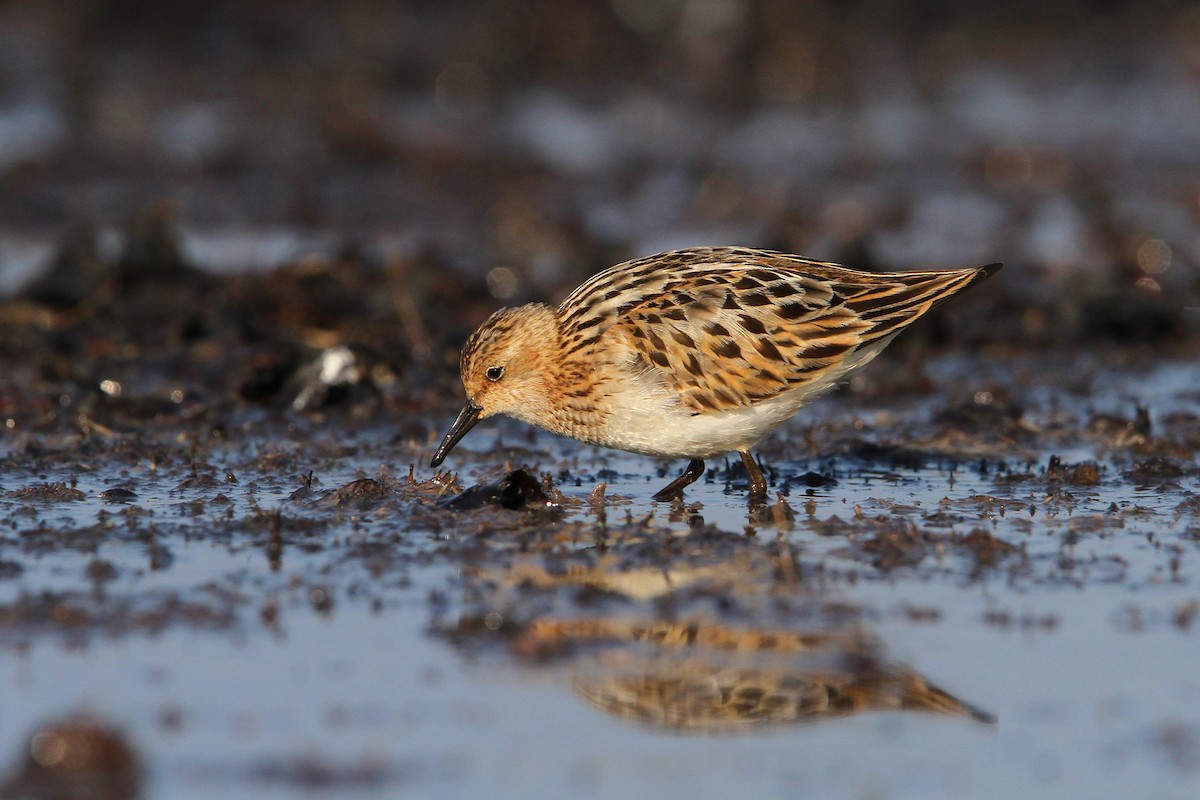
x=986 y=271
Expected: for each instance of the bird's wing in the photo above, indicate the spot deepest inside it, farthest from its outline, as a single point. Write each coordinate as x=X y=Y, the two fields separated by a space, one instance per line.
x=726 y=328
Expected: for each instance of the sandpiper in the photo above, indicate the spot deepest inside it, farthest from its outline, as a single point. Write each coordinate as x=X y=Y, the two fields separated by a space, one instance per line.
x=690 y=353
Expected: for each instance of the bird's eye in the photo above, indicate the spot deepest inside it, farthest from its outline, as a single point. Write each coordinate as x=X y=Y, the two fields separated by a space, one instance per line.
x=494 y=373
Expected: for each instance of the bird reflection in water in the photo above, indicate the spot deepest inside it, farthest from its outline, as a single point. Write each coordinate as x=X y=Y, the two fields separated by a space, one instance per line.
x=707 y=676
x=711 y=678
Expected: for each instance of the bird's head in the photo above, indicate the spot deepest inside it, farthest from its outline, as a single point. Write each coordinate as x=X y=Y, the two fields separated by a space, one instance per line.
x=504 y=369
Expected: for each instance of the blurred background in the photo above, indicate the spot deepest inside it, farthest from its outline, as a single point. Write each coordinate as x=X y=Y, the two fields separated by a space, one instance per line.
x=429 y=161
x=1056 y=136
x=242 y=243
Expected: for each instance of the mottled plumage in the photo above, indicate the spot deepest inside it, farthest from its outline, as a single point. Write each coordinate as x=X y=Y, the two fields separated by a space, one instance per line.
x=691 y=353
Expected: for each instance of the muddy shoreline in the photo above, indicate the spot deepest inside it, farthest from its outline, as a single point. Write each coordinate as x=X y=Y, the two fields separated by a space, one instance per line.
x=241 y=247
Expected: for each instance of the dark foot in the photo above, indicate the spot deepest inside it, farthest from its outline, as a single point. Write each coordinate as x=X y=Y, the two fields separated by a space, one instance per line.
x=695 y=469
x=758 y=484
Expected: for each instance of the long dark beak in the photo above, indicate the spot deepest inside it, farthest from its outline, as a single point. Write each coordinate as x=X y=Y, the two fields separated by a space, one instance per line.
x=466 y=420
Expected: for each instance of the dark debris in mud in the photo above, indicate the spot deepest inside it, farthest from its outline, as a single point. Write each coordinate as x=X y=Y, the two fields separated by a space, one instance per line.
x=514 y=490
x=380 y=523
x=163 y=411
x=77 y=616
x=78 y=758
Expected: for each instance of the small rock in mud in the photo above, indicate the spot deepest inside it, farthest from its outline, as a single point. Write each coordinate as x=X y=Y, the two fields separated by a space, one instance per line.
x=361 y=493
x=305 y=492
x=893 y=547
x=815 y=480
x=893 y=456
x=516 y=490
x=118 y=494
x=1184 y=614
x=986 y=549
x=48 y=492
x=313 y=774
x=983 y=413
x=76 y=759
x=100 y=570
x=1118 y=430
x=1154 y=470
x=1086 y=473
x=205 y=481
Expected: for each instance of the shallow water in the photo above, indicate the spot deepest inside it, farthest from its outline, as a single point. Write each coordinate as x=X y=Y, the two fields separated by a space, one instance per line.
x=979 y=579
x=329 y=661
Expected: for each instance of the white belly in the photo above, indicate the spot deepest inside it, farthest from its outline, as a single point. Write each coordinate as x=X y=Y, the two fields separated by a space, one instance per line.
x=648 y=419
x=662 y=428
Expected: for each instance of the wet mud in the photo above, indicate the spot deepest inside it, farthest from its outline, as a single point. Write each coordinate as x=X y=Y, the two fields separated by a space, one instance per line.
x=227 y=569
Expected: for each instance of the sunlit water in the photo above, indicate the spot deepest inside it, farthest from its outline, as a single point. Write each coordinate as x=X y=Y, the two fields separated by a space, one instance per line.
x=1080 y=655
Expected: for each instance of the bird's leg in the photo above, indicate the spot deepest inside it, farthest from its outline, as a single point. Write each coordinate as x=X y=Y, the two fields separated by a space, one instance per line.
x=695 y=469
x=758 y=484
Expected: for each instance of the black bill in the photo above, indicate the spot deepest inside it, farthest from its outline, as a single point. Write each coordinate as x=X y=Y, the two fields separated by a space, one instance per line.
x=466 y=420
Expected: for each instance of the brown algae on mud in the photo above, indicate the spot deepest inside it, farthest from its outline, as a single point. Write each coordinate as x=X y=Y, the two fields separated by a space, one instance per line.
x=213 y=533
x=79 y=757
x=895 y=519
